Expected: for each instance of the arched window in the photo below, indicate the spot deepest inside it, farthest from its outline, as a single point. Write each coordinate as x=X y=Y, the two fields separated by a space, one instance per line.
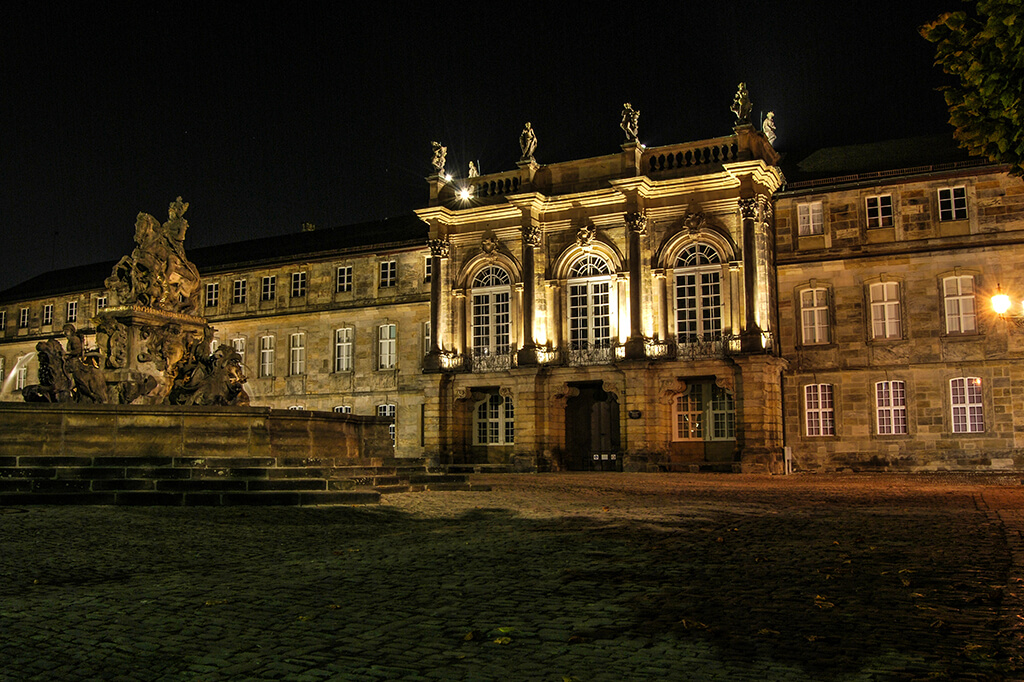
x=491 y=312
x=589 y=303
x=698 y=294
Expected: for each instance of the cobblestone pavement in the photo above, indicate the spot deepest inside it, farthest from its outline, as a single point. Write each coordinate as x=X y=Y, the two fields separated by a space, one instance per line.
x=546 y=577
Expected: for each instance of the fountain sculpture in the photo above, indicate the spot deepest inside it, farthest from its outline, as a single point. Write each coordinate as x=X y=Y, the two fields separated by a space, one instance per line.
x=152 y=347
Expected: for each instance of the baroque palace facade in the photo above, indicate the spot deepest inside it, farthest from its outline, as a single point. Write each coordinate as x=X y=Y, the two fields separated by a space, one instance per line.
x=668 y=308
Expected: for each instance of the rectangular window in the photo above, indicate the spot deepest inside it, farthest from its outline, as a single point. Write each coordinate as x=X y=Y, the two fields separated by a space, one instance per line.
x=880 y=210
x=426 y=337
x=723 y=414
x=212 y=294
x=386 y=346
x=298 y=284
x=344 y=281
x=343 y=409
x=23 y=318
x=22 y=378
x=689 y=417
x=101 y=303
x=698 y=305
x=388 y=273
x=72 y=311
x=238 y=292
x=966 y=400
x=491 y=324
x=238 y=344
x=819 y=411
x=297 y=354
x=296 y=407
x=266 y=356
x=3 y=319
x=48 y=314
x=3 y=367
x=388 y=410
x=268 y=288
x=885 y=311
x=810 y=219
x=814 y=316
x=427 y=265
x=953 y=203
x=958 y=301
x=343 y=349
x=589 y=315
x=891 y=407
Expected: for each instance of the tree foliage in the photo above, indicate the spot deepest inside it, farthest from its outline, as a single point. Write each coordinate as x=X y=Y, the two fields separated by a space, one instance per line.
x=984 y=51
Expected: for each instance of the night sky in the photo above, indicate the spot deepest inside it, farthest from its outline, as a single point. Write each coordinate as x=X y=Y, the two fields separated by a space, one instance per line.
x=265 y=117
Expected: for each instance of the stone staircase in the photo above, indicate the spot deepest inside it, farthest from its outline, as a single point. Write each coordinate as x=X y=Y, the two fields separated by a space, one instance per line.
x=215 y=481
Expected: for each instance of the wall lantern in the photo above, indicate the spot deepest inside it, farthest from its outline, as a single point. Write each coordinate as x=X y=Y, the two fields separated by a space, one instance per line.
x=1001 y=305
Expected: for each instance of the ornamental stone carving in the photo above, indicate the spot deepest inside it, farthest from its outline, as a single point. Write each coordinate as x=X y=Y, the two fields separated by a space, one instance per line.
x=769 y=127
x=630 y=123
x=528 y=142
x=489 y=245
x=585 y=236
x=637 y=222
x=440 y=248
x=695 y=222
x=748 y=208
x=532 y=235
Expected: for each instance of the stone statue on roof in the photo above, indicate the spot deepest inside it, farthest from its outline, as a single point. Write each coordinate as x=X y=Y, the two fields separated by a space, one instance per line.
x=630 y=122
x=437 y=161
x=741 y=105
x=473 y=172
x=769 y=127
x=528 y=142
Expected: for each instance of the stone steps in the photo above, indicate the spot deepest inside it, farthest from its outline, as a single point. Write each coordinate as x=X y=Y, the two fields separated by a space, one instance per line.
x=214 y=480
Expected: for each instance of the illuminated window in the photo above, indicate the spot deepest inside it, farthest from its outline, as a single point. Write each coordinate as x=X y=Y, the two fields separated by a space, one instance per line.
x=810 y=219
x=238 y=291
x=590 y=304
x=388 y=410
x=494 y=421
x=698 y=294
x=48 y=313
x=343 y=349
x=958 y=301
x=491 y=312
x=298 y=284
x=238 y=343
x=689 y=417
x=885 y=311
x=814 y=316
x=388 y=273
x=386 y=346
x=266 y=356
x=344 y=279
x=706 y=412
x=297 y=354
x=953 y=203
x=966 y=401
x=212 y=294
x=879 y=210
x=819 y=410
x=72 y=311
x=268 y=288
x=891 y=407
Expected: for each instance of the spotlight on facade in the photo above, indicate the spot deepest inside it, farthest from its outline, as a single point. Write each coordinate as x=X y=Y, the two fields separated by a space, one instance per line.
x=1000 y=302
x=465 y=194
x=447 y=177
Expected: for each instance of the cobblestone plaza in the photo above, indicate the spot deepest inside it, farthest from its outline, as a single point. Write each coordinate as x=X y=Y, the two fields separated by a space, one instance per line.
x=545 y=577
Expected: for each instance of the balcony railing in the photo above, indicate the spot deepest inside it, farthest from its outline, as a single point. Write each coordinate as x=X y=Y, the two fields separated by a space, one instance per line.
x=718 y=150
x=482 y=360
x=580 y=354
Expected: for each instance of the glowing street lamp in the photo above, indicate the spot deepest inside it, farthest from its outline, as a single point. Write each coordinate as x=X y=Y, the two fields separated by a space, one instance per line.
x=1000 y=302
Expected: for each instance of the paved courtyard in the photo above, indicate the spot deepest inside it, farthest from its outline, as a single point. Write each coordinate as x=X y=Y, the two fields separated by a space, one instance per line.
x=561 y=577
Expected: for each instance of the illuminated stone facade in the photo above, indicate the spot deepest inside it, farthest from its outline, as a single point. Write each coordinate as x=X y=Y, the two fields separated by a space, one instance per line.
x=673 y=308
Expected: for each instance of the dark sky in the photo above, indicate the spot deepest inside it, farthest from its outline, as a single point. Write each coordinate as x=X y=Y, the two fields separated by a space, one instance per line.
x=264 y=117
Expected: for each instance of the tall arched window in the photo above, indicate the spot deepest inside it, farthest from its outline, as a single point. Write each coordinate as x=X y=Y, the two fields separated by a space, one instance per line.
x=491 y=312
x=698 y=294
x=589 y=303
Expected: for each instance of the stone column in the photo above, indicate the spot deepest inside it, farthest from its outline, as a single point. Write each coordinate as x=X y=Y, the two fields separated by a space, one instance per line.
x=750 y=339
x=532 y=236
x=439 y=252
x=636 y=227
